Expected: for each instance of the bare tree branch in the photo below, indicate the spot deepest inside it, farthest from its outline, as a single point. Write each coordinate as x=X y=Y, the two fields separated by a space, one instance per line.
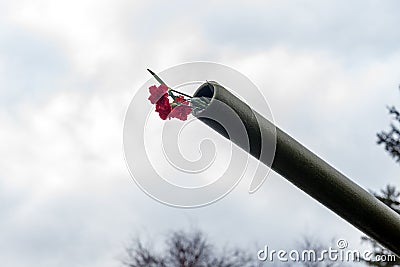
x=187 y=250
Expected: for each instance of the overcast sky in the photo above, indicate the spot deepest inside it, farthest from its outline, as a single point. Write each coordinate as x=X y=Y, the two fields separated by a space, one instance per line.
x=68 y=70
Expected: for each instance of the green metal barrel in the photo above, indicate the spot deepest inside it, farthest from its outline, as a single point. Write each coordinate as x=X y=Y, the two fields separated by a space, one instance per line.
x=305 y=169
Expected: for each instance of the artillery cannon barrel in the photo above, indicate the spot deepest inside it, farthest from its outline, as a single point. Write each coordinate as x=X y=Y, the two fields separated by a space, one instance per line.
x=306 y=170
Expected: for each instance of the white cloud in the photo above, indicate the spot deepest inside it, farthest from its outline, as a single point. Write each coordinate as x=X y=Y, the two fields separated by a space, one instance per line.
x=69 y=198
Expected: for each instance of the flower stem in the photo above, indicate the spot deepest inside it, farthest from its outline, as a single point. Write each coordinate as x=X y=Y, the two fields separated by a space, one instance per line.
x=162 y=82
x=180 y=93
x=156 y=77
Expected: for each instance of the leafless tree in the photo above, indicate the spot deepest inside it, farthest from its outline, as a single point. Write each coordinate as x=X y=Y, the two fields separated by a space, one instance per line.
x=187 y=249
x=312 y=244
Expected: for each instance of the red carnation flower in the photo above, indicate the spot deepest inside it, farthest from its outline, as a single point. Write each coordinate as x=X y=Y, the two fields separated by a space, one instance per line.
x=163 y=107
x=182 y=100
x=157 y=92
x=181 y=112
x=180 y=108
